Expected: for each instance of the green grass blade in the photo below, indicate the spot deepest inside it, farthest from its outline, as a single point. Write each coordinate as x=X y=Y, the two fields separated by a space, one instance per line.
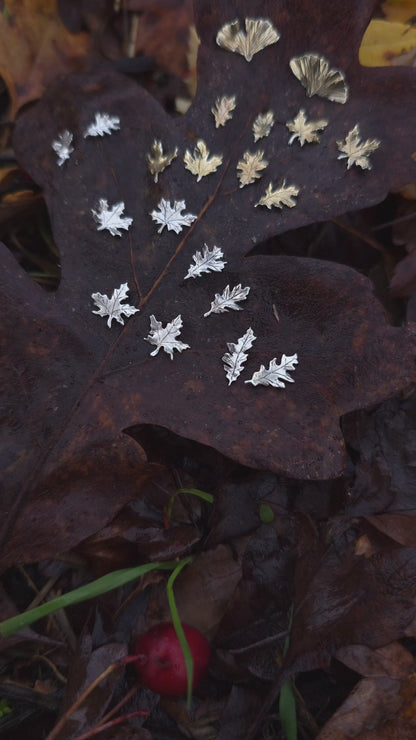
x=287 y=711
x=189 y=662
x=287 y=701
x=194 y=492
x=89 y=591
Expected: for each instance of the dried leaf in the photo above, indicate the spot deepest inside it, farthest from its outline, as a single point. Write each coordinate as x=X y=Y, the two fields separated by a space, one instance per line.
x=228 y=299
x=165 y=337
x=165 y=33
x=316 y=76
x=111 y=218
x=251 y=166
x=263 y=124
x=385 y=41
x=326 y=307
x=62 y=146
x=112 y=307
x=102 y=124
x=304 y=130
x=35 y=48
x=282 y=196
x=171 y=216
x=259 y=33
x=356 y=151
x=158 y=161
x=222 y=110
x=275 y=375
x=208 y=261
x=200 y=163
x=235 y=358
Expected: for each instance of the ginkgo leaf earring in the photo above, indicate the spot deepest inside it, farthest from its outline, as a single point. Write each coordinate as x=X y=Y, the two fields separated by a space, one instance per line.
x=259 y=33
x=317 y=77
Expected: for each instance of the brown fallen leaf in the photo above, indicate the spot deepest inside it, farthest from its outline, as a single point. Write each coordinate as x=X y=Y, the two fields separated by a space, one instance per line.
x=385 y=476
x=163 y=32
x=73 y=383
x=203 y=590
x=377 y=709
x=338 y=592
x=399 y=10
x=35 y=47
x=392 y=660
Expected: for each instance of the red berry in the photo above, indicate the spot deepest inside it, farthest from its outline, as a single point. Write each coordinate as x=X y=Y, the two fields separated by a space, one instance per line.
x=160 y=662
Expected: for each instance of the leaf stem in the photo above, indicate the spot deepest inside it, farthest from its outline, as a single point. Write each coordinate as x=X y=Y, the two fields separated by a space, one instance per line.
x=189 y=662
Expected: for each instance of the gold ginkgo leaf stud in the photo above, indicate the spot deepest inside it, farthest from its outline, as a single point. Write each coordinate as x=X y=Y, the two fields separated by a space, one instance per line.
x=259 y=33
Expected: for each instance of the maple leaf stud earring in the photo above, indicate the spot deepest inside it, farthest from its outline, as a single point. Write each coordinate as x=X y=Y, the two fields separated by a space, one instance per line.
x=166 y=337
x=171 y=216
x=111 y=218
x=113 y=306
x=356 y=151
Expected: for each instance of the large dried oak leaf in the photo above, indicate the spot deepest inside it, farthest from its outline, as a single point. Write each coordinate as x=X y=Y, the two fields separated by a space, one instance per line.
x=73 y=383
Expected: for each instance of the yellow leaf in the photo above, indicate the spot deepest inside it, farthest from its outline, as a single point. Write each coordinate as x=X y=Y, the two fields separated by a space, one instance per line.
x=384 y=41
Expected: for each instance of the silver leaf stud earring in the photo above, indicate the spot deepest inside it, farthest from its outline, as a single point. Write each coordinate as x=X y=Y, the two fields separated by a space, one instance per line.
x=62 y=146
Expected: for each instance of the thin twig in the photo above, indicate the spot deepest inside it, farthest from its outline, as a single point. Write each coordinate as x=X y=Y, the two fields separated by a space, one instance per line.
x=77 y=703
x=364 y=238
x=100 y=728
x=51 y=665
x=121 y=704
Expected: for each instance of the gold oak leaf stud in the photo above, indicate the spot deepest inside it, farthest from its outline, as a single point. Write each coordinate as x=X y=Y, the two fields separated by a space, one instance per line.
x=263 y=124
x=283 y=196
x=200 y=163
x=251 y=166
x=157 y=161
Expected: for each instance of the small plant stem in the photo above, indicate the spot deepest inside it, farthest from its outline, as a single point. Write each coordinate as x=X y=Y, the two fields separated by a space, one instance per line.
x=189 y=662
x=358 y=234
x=107 y=726
x=51 y=665
x=193 y=492
x=121 y=704
x=77 y=703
